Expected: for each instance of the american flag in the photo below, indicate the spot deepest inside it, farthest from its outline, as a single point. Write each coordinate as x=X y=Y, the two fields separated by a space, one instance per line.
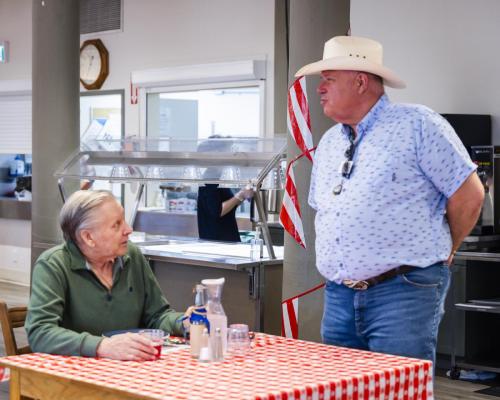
x=298 y=118
x=4 y=374
x=290 y=216
x=299 y=125
x=290 y=314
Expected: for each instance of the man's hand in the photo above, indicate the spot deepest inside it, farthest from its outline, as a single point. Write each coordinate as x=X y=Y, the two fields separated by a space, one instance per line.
x=127 y=347
x=450 y=258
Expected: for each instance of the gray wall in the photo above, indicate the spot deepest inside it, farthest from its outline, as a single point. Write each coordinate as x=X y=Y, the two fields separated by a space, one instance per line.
x=311 y=24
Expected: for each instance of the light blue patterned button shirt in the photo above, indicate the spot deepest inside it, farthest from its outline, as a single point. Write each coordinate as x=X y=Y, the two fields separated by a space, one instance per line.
x=391 y=211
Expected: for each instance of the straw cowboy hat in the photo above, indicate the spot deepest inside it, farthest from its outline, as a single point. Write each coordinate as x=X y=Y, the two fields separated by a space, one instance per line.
x=353 y=53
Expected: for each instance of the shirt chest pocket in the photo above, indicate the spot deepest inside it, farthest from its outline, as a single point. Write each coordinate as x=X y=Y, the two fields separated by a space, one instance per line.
x=329 y=177
x=392 y=179
x=373 y=172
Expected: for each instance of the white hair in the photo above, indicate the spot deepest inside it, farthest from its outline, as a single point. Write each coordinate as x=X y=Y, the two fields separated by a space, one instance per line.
x=79 y=211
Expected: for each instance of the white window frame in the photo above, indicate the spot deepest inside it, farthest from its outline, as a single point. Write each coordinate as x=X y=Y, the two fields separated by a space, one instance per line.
x=229 y=74
x=143 y=93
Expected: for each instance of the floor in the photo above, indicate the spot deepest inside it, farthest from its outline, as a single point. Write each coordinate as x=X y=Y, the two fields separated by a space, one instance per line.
x=445 y=389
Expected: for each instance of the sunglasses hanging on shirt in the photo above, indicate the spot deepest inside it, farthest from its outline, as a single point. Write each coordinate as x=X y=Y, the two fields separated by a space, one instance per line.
x=346 y=166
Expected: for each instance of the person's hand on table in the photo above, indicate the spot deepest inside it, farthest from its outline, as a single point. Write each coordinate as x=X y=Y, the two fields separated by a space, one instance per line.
x=127 y=347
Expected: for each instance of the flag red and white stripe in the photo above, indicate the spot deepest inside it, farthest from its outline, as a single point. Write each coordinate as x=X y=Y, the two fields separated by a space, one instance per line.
x=298 y=118
x=4 y=374
x=290 y=216
x=289 y=320
x=290 y=313
x=299 y=126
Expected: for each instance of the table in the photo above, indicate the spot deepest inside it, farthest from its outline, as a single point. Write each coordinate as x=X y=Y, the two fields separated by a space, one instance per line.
x=276 y=368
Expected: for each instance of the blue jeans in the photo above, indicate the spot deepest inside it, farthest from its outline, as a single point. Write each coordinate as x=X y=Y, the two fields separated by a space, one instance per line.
x=398 y=316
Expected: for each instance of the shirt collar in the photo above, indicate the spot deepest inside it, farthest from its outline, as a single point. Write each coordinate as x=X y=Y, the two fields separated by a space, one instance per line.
x=78 y=261
x=368 y=120
x=118 y=264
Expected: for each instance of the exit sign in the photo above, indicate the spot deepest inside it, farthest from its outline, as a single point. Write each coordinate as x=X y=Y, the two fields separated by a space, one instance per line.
x=4 y=51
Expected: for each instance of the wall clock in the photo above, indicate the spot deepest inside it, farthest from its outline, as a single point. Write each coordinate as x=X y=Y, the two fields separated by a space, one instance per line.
x=94 y=64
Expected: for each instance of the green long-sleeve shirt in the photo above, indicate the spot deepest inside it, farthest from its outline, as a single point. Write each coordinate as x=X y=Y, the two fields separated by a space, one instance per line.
x=70 y=308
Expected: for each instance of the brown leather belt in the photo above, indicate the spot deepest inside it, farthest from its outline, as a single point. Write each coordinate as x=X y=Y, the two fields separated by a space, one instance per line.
x=366 y=283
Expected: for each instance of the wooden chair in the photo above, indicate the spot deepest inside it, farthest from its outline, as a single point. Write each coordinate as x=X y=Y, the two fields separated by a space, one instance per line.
x=11 y=318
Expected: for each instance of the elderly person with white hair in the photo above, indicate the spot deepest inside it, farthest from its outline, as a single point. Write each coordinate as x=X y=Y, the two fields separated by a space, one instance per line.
x=96 y=281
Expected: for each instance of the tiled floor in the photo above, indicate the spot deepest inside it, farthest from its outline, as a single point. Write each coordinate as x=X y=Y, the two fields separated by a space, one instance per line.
x=445 y=389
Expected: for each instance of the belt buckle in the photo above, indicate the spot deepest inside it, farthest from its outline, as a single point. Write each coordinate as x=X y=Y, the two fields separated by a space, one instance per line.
x=355 y=285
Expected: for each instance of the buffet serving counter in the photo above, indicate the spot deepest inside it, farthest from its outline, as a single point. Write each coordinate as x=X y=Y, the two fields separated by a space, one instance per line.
x=184 y=250
x=252 y=293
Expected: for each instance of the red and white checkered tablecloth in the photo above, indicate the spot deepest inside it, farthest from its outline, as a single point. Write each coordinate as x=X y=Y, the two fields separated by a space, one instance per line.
x=276 y=368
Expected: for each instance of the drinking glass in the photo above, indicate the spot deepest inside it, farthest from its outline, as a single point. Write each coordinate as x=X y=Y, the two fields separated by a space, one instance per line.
x=157 y=336
x=238 y=339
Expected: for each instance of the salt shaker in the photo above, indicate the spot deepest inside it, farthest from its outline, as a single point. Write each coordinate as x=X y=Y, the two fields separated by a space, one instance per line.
x=205 y=355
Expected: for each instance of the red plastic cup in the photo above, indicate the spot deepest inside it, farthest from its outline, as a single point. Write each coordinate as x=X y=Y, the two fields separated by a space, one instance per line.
x=157 y=337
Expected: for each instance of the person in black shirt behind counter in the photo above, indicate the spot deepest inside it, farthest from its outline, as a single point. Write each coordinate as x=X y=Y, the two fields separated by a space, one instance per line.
x=217 y=206
x=216 y=212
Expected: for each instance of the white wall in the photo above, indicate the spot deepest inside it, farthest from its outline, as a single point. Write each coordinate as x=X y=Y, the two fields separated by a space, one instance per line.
x=15 y=27
x=445 y=50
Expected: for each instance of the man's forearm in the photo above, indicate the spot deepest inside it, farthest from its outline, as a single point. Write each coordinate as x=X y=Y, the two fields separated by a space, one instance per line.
x=228 y=205
x=463 y=209
x=461 y=220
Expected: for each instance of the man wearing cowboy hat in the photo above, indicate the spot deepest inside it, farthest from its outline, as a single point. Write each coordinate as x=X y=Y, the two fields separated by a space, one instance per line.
x=395 y=193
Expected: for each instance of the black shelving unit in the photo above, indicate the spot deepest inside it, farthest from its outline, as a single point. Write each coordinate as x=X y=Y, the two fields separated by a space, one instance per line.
x=482 y=321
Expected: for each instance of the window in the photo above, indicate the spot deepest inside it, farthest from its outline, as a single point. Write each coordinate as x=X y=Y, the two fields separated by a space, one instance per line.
x=198 y=114
x=102 y=117
x=229 y=110
x=15 y=123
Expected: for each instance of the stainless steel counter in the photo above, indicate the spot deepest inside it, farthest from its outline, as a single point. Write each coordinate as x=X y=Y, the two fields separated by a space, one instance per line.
x=252 y=293
x=189 y=251
x=11 y=208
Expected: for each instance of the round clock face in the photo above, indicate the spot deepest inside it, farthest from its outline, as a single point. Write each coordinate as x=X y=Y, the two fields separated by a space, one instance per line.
x=94 y=64
x=90 y=64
